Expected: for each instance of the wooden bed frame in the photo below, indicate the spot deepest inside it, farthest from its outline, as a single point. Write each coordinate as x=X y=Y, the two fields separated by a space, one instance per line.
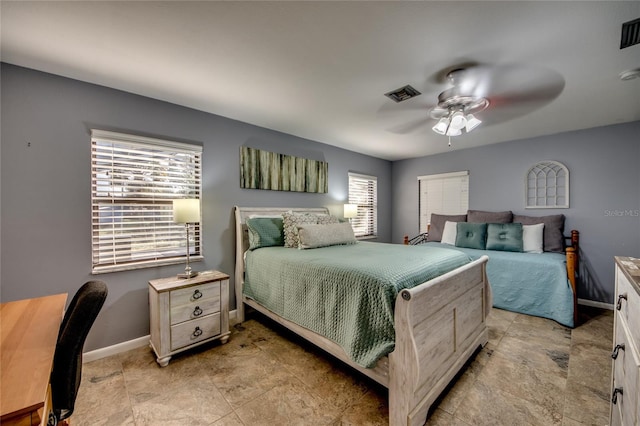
x=439 y=325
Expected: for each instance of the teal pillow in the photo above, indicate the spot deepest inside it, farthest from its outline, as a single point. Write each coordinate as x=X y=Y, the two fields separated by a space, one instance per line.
x=504 y=236
x=265 y=232
x=471 y=235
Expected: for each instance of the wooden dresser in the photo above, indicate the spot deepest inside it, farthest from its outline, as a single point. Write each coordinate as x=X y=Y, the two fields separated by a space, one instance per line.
x=625 y=406
x=185 y=313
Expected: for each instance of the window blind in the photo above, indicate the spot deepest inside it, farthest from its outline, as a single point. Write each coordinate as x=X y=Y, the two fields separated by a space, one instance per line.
x=363 y=191
x=134 y=181
x=445 y=193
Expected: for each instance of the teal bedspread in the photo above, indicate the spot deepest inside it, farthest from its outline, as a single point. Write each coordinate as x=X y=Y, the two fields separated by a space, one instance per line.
x=346 y=293
x=529 y=283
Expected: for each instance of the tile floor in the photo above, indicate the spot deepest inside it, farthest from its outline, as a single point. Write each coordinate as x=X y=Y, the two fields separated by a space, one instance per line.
x=532 y=372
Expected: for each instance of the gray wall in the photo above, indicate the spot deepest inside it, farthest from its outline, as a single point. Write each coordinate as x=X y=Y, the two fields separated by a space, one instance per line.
x=45 y=188
x=604 y=168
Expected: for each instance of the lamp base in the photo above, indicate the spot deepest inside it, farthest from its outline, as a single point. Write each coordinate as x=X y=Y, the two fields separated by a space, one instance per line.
x=190 y=274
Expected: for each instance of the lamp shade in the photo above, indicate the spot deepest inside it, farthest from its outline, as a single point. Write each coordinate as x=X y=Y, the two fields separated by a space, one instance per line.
x=186 y=210
x=350 y=211
x=472 y=123
x=442 y=126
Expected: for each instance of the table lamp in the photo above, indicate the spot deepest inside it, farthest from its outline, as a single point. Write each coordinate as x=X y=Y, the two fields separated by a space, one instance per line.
x=187 y=211
x=350 y=211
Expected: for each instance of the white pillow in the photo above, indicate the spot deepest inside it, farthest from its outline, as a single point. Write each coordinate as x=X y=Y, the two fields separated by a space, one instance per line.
x=449 y=233
x=532 y=238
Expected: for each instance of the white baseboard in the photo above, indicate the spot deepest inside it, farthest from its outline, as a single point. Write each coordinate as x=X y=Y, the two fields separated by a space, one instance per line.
x=130 y=344
x=115 y=349
x=595 y=304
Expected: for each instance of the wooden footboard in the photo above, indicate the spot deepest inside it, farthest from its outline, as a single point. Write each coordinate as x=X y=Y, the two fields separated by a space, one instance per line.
x=439 y=325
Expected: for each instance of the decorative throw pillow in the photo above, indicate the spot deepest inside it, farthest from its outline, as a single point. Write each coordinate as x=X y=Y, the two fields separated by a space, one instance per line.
x=438 y=221
x=314 y=236
x=504 y=236
x=265 y=232
x=449 y=233
x=532 y=240
x=481 y=216
x=553 y=235
x=291 y=221
x=471 y=235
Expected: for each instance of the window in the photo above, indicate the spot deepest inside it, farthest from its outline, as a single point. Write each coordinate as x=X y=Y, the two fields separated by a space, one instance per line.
x=445 y=193
x=363 y=191
x=547 y=186
x=133 y=182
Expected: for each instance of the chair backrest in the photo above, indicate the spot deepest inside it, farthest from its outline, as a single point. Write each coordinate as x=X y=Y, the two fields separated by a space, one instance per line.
x=67 y=360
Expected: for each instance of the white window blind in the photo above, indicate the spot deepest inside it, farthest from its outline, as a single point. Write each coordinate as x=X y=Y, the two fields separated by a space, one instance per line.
x=363 y=191
x=133 y=183
x=445 y=193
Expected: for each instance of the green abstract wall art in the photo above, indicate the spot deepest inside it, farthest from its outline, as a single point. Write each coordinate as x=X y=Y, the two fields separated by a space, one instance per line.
x=279 y=172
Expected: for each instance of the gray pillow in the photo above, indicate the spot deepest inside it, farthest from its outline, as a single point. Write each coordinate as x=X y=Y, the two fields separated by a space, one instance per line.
x=313 y=236
x=553 y=234
x=481 y=216
x=437 y=224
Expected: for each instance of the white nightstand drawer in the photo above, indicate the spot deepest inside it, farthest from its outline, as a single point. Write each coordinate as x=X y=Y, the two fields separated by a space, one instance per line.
x=198 y=309
x=194 y=331
x=195 y=294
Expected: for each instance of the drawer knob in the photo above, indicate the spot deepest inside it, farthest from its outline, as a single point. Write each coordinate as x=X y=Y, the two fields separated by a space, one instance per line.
x=614 y=398
x=619 y=346
x=197 y=311
x=197 y=332
x=620 y=298
x=197 y=294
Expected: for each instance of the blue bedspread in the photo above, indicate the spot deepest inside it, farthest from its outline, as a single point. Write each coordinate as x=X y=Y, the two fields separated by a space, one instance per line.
x=528 y=283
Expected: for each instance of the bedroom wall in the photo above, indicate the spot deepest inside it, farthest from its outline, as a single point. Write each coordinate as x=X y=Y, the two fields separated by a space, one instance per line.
x=604 y=173
x=45 y=188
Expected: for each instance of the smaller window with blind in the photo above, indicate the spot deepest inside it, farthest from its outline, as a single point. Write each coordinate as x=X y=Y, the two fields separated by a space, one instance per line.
x=363 y=192
x=444 y=193
x=134 y=181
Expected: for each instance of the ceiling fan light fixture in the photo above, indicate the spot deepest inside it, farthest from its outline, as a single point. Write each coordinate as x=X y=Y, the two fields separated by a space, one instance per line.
x=442 y=126
x=453 y=132
x=472 y=123
x=458 y=120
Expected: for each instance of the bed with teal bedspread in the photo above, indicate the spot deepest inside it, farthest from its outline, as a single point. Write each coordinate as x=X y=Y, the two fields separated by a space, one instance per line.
x=320 y=288
x=529 y=283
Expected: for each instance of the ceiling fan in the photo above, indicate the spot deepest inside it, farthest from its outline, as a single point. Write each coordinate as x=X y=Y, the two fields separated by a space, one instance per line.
x=475 y=94
x=456 y=107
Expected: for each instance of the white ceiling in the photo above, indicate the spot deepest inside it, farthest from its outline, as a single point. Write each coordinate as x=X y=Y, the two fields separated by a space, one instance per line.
x=319 y=70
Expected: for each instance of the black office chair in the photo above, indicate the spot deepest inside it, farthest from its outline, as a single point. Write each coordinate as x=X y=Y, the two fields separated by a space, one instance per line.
x=67 y=360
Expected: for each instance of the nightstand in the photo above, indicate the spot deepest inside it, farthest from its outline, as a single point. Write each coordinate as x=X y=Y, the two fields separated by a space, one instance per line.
x=185 y=313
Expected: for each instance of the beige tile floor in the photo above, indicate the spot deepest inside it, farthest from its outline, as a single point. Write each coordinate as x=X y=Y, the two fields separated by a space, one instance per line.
x=532 y=372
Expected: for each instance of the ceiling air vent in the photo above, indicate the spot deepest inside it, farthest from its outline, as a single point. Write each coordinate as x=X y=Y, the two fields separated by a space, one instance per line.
x=630 y=33
x=403 y=93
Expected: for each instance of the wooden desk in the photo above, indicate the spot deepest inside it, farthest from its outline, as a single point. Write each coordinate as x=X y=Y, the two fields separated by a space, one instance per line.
x=29 y=330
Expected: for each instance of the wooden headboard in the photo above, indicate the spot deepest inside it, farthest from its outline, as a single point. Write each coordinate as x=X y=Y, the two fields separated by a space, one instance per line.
x=242 y=241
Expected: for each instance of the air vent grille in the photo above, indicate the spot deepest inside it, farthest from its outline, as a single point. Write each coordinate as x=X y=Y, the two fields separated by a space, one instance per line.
x=630 y=33
x=403 y=93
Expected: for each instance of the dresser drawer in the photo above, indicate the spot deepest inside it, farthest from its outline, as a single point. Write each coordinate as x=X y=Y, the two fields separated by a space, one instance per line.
x=629 y=304
x=190 y=332
x=626 y=369
x=193 y=294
